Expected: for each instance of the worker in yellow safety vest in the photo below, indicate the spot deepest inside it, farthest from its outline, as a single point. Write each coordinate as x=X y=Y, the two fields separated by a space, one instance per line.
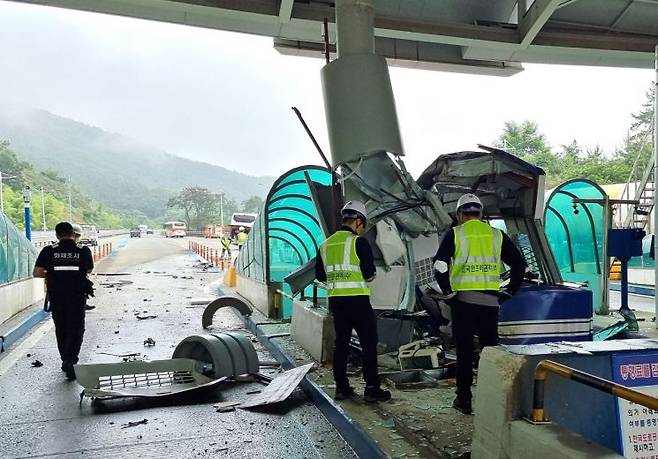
x=225 y=242
x=345 y=263
x=468 y=266
x=242 y=237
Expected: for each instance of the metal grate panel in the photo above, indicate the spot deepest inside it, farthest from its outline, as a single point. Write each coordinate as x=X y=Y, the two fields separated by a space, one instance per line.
x=424 y=271
x=145 y=380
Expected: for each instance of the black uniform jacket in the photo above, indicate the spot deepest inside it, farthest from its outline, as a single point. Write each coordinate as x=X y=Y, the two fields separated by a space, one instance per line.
x=66 y=264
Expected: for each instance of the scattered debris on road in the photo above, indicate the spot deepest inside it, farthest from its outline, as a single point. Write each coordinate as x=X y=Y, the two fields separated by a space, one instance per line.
x=127 y=357
x=280 y=388
x=201 y=301
x=134 y=423
x=224 y=407
x=37 y=364
x=149 y=342
x=142 y=316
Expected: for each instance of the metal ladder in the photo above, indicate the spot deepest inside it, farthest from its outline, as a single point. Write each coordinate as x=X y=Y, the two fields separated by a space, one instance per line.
x=639 y=215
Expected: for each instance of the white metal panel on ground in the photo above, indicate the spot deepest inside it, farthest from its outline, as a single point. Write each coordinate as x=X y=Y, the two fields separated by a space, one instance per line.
x=280 y=388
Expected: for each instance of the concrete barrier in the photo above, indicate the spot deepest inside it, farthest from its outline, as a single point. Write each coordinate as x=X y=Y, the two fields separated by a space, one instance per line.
x=552 y=441
x=18 y=295
x=503 y=397
x=313 y=329
x=258 y=294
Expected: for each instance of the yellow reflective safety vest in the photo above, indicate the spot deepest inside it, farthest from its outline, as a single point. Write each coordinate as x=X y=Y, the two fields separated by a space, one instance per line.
x=342 y=265
x=226 y=243
x=242 y=238
x=477 y=263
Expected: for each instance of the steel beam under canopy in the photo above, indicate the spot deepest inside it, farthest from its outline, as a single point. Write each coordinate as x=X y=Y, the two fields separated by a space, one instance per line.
x=478 y=36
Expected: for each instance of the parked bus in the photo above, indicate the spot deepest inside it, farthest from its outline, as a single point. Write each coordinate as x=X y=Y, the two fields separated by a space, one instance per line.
x=239 y=219
x=175 y=229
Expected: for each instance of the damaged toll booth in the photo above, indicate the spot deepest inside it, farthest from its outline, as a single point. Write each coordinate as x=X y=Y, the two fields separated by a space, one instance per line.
x=407 y=219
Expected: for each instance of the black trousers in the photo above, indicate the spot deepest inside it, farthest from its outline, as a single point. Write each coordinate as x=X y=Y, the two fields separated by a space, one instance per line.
x=68 y=311
x=354 y=313
x=467 y=321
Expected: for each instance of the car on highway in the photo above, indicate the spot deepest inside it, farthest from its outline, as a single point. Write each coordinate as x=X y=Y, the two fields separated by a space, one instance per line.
x=89 y=235
x=135 y=232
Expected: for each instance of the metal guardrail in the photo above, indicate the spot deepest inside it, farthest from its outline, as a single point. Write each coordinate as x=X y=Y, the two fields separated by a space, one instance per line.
x=546 y=367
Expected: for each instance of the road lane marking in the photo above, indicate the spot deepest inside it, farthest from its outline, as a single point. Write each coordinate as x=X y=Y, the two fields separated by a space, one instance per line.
x=17 y=352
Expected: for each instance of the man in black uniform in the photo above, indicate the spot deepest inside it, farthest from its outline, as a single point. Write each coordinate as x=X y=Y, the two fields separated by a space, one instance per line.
x=65 y=265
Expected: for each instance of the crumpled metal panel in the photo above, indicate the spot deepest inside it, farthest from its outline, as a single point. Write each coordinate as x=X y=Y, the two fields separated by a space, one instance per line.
x=507 y=185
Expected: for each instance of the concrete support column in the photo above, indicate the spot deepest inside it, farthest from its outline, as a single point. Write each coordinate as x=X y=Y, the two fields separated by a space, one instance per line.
x=355 y=27
x=358 y=97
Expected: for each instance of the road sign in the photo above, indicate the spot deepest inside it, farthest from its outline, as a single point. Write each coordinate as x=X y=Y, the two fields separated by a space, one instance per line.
x=638 y=425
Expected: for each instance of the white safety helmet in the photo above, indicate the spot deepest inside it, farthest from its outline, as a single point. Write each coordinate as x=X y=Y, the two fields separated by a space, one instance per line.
x=354 y=209
x=77 y=229
x=241 y=228
x=469 y=203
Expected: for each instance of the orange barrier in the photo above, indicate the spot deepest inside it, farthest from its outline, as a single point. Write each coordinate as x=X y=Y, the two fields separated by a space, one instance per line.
x=230 y=279
x=211 y=255
x=102 y=251
x=615 y=271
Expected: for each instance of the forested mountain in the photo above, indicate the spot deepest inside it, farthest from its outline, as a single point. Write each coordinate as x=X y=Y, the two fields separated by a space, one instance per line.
x=117 y=171
x=53 y=203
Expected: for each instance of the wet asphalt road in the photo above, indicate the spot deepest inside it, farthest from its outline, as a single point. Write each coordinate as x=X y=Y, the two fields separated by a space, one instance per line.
x=40 y=415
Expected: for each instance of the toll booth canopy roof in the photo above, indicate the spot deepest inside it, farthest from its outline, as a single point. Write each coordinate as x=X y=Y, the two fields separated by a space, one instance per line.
x=288 y=230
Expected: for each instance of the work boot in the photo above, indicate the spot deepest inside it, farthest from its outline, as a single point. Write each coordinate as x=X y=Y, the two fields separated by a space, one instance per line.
x=463 y=405
x=344 y=394
x=376 y=394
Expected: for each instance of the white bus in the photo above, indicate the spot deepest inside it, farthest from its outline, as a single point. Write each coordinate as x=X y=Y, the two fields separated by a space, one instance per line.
x=175 y=229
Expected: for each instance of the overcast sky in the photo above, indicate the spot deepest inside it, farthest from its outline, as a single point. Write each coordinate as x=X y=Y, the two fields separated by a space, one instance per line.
x=225 y=98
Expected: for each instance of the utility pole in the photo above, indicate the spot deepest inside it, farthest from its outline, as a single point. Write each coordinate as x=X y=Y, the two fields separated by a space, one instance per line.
x=70 y=210
x=27 y=204
x=221 y=209
x=43 y=210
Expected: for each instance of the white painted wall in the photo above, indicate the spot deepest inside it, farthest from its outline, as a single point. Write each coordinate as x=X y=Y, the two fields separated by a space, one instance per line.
x=18 y=295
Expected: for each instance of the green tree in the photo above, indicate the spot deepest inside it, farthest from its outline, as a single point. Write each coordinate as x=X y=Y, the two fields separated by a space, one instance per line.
x=252 y=205
x=200 y=205
x=525 y=141
x=84 y=209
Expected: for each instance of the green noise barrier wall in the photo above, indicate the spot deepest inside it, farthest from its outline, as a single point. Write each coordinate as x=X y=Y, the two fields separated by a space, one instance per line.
x=17 y=254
